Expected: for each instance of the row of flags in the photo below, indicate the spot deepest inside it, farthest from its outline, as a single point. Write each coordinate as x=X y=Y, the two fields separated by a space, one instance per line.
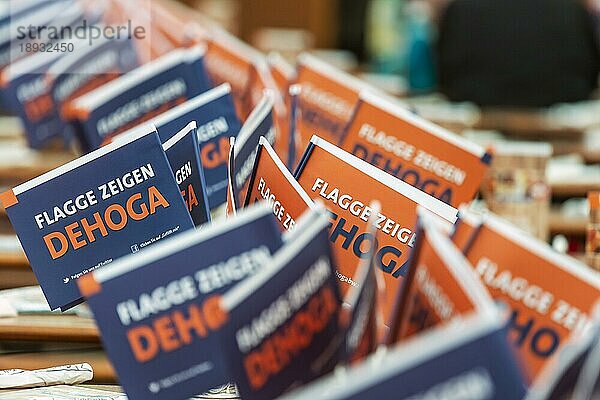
x=290 y=229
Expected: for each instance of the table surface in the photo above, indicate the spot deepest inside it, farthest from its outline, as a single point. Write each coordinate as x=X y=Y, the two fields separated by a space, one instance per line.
x=19 y=163
x=560 y=223
x=51 y=328
x=574 y=188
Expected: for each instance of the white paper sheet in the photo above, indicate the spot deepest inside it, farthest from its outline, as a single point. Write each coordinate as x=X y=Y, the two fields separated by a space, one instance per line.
x=65 y=374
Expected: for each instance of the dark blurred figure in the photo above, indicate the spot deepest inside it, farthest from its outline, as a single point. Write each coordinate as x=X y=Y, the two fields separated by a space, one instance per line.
x=352 y=27
x=520 y=53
